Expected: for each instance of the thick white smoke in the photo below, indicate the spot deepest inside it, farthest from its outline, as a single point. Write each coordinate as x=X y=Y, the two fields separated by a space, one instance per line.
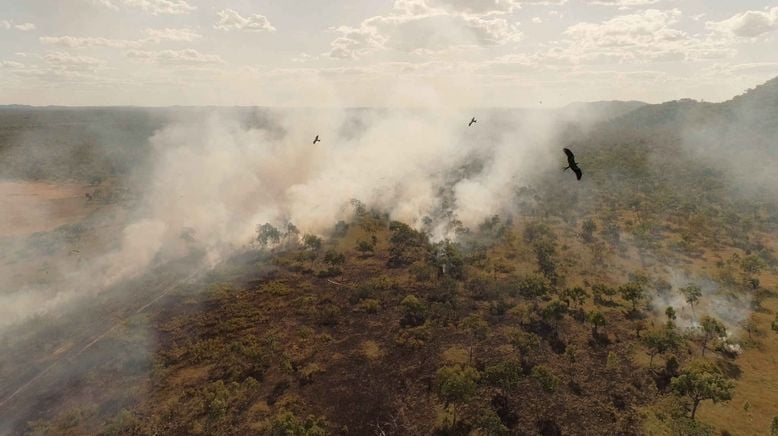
x=216 y=177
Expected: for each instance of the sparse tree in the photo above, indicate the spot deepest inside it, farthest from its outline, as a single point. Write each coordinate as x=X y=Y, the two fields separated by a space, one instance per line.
x=292 y=234
x=752 y=264
x=702 y=382
x=545 y=251
x=603 y=294
x=749 y=326
x=365 y=247
x=633 y=293
x=505 y=375
x=415 y=311
x=478 y=328
x=334 y=258
x=663 y=286
x=596 y=319
x=553 y=312
x=587 y=230
x=659 y=342
x=671 y=317
x=312 y=242
x=692 y=293
x=545 y=377
x=268 y=235
x=711 y=328
x=457 y=385
x=533 y=286
x=576 y=295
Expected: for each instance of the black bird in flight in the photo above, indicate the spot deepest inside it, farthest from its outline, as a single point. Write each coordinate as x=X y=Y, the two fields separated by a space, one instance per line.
x=572 y=165
x=316 y=139
x=472 y=122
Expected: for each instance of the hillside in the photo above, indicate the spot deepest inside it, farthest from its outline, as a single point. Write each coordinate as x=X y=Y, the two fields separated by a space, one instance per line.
x=597 y=307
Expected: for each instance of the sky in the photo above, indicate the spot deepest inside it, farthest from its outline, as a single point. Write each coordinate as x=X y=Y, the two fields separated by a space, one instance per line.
x=334 y=53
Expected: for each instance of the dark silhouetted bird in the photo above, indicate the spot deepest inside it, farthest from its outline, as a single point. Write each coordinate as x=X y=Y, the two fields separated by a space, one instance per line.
x=316 y=139
x=473 y=121
x=572 y=165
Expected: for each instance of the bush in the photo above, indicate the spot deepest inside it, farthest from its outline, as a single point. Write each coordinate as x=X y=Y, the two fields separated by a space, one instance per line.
x=533 y=286
x=286 y=423
x=504 y=375
x=415 y=311
x=548 y=381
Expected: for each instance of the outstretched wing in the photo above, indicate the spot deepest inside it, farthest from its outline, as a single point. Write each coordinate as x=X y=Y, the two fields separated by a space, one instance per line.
x=570 y=157
x=578 y=173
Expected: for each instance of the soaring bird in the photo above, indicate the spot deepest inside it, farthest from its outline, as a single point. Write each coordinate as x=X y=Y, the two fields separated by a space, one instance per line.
x=316 y=139
x=473 y=121
x=571 y=164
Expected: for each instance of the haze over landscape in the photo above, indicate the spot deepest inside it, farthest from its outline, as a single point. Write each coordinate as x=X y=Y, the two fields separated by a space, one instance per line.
x=178 y=255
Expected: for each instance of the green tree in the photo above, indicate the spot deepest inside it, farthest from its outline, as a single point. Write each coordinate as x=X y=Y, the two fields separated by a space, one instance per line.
x=268 y=235
x=603 y=294
x=577 y=296
x=334 y=258
x=596 y=319
x=553 y=312
x=633 y=293
x=456 y=385
x=286 y=423
x=671 y=316
x=711 y=329
x=692 y=293
x=415 y=311
x=478 y=329
x=545 y=252
x=533 y=286
x=702 y=382
x=752 y=264
x=406 y=245
x=505 y=375
x=312 y=242
x=545 y=377
x=365 y=247
x=658 y=342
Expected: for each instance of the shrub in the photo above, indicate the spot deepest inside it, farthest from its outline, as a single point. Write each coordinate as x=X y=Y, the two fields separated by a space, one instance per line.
x=548 y=381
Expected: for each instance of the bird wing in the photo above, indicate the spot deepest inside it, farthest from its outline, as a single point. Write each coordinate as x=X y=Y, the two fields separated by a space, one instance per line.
x=570 y=157
x=578 y=173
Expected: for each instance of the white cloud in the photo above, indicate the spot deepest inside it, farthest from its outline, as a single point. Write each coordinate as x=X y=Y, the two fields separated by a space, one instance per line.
x=187 y=56
x=24 y=27
x=748 y=24
x=11 y=64
x=154 y=7
x=414 y=27
x=537 y=20
x=168 y=34
x=624 y=4
x=476 y=6
x=67 y=61
x=88 y=41
x=641 y=37
x=153 y=36
x=759 y=68
x=106 y=3
x=232 y=20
